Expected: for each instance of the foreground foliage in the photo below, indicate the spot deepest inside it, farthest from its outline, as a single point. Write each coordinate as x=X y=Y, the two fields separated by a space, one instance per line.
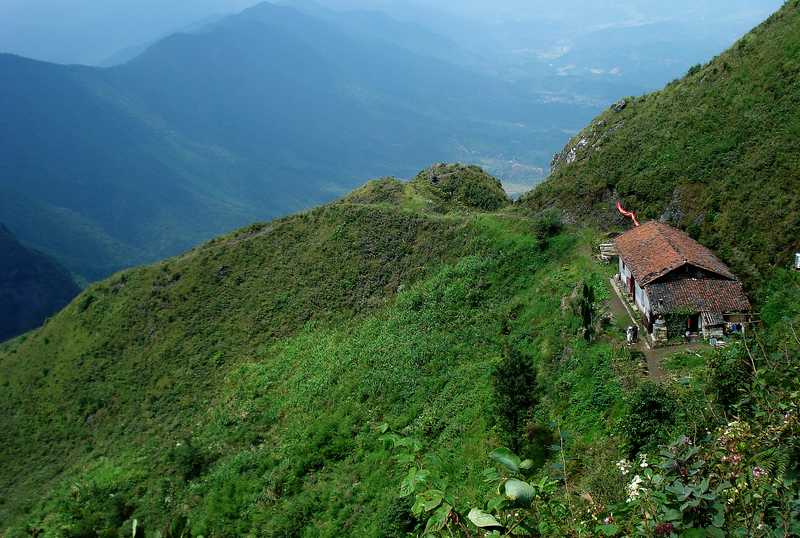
x=739 y=479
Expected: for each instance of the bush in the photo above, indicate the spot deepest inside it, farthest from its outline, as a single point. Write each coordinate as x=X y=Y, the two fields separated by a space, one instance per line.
x=650 y=416
x=516 y=391
x=726 y=377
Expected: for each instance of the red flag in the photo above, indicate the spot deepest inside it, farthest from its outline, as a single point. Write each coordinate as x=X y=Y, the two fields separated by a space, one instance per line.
x=628 y=214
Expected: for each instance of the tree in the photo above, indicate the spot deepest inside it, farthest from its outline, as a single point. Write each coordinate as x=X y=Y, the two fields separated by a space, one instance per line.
x=516 y=391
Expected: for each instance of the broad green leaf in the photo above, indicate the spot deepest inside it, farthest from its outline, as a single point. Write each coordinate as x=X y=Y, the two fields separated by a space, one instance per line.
x=714 y=532
x=522 y=493
x=719 y=514
x=483 y=519
x=496 y=503
x=673 y=515
x=557 y=448
x=390 y=438
x=418 y=504
x=439 y=518
x=505 y=457
x=178 y=525
x=414 y=477
x=414 y=444
x=434 y=501
x=676 y=487
x=526 y=465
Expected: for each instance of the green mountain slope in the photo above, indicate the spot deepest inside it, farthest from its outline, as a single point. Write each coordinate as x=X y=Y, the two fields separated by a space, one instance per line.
x=33 y=286
x=710 y=153
x=243 y=380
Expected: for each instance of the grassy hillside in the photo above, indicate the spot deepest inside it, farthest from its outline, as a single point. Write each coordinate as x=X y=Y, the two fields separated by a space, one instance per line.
x=245 y=382
x=241 y=383
x=710 y=153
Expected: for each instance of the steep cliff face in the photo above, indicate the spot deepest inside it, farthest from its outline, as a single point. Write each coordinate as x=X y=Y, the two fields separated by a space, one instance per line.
x=708 y=154
x=33 y=286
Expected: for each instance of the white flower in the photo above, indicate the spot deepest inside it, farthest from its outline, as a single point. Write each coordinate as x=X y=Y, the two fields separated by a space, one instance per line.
x=633 y=490
x=624 y=466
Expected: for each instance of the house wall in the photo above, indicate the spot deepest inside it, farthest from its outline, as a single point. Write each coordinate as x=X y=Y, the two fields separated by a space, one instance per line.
x=642 y=300
x=639 y=295
x=625 y=275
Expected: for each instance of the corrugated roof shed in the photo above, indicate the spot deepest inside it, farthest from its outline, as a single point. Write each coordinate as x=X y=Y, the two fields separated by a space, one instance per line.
x=654 y=249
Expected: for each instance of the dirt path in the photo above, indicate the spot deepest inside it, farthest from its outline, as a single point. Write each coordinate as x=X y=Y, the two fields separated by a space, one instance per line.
x=654 y=357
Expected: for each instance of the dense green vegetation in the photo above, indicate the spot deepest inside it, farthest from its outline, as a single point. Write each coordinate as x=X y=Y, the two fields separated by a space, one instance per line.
x=242 y=383
x=33 y=286
x=710 y=153
x=348 y=370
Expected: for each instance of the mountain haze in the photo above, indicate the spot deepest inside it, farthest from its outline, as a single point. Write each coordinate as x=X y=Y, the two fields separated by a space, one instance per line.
x=262 y=114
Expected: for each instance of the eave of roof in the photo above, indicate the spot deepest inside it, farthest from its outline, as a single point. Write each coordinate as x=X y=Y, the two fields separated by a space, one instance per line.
x=697 y=294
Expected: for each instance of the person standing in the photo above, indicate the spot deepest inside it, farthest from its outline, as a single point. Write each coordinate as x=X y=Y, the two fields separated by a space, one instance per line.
x=629 y=334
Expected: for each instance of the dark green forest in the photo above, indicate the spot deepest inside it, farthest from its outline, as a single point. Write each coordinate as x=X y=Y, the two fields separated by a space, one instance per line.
x=33 y=286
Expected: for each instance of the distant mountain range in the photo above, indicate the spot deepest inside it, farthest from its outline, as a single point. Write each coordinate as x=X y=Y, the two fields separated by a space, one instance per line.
x=33 y=286
x=263 y=113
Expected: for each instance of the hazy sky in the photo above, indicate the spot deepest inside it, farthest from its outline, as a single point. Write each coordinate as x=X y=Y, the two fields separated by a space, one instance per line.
x=88 y=31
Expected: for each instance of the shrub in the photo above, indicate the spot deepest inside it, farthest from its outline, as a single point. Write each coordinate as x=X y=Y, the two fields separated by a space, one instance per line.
x=515 y=391
x=651 y=413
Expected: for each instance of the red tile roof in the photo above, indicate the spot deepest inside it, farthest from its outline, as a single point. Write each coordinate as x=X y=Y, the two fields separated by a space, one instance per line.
x=697 y=295
x=654 y=249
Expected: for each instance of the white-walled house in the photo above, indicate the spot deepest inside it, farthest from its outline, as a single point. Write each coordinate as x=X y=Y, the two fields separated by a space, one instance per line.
x=666 y=272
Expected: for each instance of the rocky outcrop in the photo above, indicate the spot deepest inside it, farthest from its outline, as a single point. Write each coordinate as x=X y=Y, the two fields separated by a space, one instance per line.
x=586 y=145
x=674 y=212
